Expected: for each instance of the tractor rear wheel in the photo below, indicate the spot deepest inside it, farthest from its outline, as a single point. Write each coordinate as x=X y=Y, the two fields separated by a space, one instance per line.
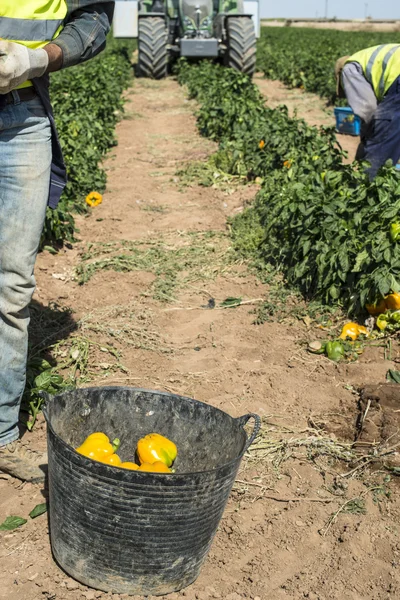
x=241 y=45
x=152 y=45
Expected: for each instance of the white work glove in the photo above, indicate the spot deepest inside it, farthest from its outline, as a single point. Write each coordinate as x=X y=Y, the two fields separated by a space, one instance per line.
x=18 y=64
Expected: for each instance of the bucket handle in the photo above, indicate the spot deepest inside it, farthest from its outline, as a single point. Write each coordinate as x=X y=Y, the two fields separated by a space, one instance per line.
x=257 y=426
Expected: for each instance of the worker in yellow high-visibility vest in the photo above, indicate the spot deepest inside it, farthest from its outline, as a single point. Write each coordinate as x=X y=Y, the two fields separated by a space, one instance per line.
x=370 y=79
x=36 y=37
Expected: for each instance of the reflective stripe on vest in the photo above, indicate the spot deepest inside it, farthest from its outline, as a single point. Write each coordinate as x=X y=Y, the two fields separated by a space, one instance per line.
x=380 y=65
x=29 y=30
x=385 y=63
x=33 y=23
x=370 y=64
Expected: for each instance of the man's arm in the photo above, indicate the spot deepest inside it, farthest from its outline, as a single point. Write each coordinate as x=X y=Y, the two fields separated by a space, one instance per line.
x=359 y=92
x=83 y=36
x=55 y=55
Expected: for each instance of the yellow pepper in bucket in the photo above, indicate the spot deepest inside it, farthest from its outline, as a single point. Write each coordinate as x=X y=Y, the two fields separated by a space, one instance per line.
x=98 y=447
x=155 y=447
x=157 y=467
x=129 y=465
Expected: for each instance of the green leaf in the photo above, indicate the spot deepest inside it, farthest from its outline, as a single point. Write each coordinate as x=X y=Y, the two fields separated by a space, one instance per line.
x=384 y=285
x=306 y=247
x=39 y=509
x=360 y=259
x=393 y=376
x=334 y=292
x=39 y=364
x=344 y=259
x=394 y=470
x=394 y=285
x=231 y=302
x=387 y=255
x=12 y=523
x=50 y=249
x=43 y=380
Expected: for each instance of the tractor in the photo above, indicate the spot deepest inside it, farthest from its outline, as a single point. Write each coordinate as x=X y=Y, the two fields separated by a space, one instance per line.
x=167 y=29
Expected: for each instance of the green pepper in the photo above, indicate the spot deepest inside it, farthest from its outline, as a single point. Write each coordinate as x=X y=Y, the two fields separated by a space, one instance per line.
x=335 y=351
x=395 y=232
x=395 y=317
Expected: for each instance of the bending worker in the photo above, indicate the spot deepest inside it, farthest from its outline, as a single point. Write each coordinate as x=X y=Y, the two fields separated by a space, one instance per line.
x=370 y=79
x=36 y=37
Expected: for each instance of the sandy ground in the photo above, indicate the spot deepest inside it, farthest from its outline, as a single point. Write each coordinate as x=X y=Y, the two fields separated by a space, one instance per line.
x=279 y=538
x=360 y=25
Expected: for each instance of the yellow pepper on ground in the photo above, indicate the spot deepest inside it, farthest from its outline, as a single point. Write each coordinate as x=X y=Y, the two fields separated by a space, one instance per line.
x=155 y=447
x=97 y=446
x=94 y=199
x=156 y=467
x=353 y=330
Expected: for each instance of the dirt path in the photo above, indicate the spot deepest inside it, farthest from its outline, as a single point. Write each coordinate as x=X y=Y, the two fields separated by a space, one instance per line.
x=309 y=107
x=275 y=541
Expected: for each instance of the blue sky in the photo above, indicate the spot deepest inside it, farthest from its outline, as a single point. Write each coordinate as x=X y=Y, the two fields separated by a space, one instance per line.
x=342 y=9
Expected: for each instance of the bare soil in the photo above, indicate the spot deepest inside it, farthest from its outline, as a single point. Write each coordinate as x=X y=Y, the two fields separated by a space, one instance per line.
x=298 y=524
x=379 y=419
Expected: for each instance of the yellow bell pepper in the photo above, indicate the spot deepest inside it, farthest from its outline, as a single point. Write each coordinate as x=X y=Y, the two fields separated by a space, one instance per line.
x=156 y=467
x=97 y=446
x=111 y=459
x=98 y=435
x=376 y=309
x=353 y=330
x=129 y=465
x=155 y=447
x=392 y=302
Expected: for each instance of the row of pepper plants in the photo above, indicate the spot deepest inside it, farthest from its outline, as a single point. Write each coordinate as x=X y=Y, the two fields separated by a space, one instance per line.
x=321 y=223
x=305 y=58
x=87 y=102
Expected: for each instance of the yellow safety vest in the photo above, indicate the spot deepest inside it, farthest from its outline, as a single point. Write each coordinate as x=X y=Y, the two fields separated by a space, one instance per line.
x=33 y=23
x=380 y=65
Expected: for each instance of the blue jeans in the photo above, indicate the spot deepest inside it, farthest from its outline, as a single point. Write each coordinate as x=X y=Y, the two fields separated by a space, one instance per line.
x=25 y=159
x=382 y=137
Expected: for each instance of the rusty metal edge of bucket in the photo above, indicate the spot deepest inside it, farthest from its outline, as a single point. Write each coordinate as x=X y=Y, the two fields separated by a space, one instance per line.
x=243 y=420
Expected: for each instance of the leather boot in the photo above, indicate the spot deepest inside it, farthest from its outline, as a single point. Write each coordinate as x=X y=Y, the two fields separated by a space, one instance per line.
x=24 y=464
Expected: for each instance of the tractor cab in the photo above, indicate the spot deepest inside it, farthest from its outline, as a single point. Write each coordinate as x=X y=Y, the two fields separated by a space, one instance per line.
x=196 y=18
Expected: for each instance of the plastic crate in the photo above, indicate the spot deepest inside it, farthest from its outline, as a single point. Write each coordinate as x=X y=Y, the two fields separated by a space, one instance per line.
x=346 y=121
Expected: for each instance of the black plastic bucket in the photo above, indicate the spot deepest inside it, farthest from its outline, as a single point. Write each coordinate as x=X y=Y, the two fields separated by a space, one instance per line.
x=134 y=532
